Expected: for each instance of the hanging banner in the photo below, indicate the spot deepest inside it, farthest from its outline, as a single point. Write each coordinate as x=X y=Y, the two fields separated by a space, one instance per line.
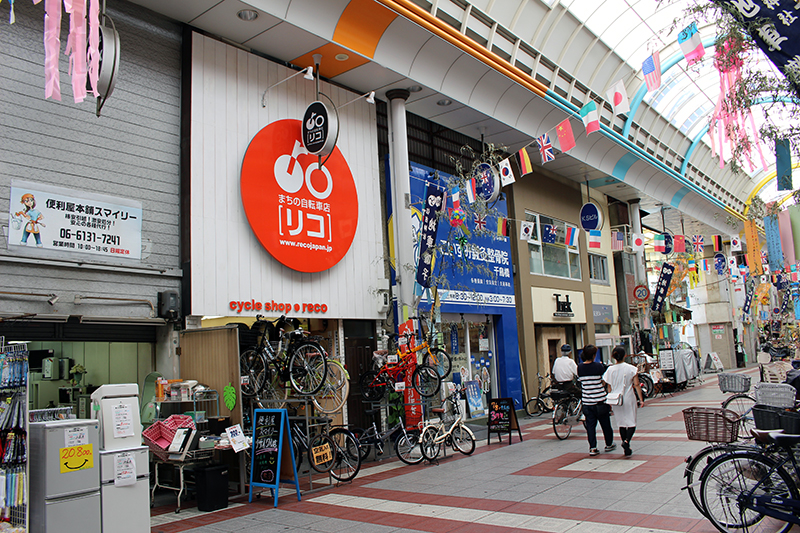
x=434 y=198
x=720 y=263
x=775 y=33
x=753 y=247
x=748 y=300
x=787 y=237
x=783 y=164
x=660 y=294
x=774 y=248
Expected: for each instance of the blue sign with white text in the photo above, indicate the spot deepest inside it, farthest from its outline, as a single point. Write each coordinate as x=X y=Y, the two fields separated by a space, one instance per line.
x=591 y=217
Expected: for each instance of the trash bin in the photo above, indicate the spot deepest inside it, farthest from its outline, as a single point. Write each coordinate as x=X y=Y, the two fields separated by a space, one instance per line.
x=212 y=487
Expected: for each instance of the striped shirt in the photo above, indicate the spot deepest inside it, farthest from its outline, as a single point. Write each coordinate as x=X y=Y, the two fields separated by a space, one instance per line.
x=591 y=378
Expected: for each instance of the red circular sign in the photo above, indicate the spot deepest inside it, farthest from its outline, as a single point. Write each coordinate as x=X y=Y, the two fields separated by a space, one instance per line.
x=306 y=217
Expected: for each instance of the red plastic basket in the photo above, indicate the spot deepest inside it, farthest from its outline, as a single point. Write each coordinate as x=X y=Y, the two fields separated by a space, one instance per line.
x=179 y=421
x=158 y=437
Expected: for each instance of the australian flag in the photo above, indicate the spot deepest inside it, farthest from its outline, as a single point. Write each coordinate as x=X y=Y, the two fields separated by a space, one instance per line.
x=549 y=233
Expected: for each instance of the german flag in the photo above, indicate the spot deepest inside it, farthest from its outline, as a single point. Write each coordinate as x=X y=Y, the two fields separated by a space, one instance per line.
x=717 y=243
x=502 y=226
x=524 y=162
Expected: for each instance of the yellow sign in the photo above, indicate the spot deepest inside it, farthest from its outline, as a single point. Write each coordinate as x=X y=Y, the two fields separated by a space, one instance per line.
x=75 y=458
x=322 y=454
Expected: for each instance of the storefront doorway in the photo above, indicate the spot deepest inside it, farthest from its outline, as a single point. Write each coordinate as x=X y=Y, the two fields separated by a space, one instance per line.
x=359 y=344
x=470 y=341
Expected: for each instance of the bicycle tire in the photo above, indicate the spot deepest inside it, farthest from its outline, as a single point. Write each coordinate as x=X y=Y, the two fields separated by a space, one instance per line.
x=440 y=360
x=534 y=407
x=252 y=369
x=307 y=368
x=547 y=400
x=733 y=474
x=348 y=455
x=372 y=386
x=428 y=445
x=426 y=381
x=696 y=464
x=364 y=448
x=742 y=405
x=648 y=387
x=333 y=394
x=274 y=391
x=561 y=426
x=408 y=448
x=463 y=440
x=317 y=459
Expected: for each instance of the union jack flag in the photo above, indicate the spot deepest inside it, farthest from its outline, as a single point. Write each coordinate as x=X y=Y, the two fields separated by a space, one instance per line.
x=764 y=258
x=697 y=243
x=545 y=148
x=480 y=222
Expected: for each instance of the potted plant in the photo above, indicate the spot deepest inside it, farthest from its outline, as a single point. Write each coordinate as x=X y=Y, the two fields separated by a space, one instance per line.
x=77 y=372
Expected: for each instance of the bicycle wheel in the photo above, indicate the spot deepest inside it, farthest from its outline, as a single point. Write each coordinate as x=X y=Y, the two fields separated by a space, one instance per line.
x=463 y=440
x=408 y=449
x=426 y=381
x=348 y=456
x=430 y=448
x=547 y=400
x=274 y=391
x=372 y=385
x=696 y=464
x=252 y=369
x=646 y=382
x=440 y=360
x=307 y=368
x=735 y=475
x=561 y=424
x=321 y=453
x=534 y=407
x=333 y=394
x=742 y=405
x=363 y=447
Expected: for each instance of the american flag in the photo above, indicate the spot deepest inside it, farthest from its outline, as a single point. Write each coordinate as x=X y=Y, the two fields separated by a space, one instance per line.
x=545 y=148
x=697 y=243
x=480 y=222
x=617 y=240
x=651 y=68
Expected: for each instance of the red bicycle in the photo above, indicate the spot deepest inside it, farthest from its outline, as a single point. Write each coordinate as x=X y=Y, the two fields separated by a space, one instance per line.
x=424 y=378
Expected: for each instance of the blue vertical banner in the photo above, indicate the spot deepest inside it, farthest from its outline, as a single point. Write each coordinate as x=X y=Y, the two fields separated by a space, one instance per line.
x=434 y=200
x=748 y=299
x=660 y=294
x=774 y=248
x=783 y=164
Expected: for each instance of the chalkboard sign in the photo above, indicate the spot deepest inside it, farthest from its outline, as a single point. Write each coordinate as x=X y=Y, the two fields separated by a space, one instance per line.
x=271 y=452
x=502 y=419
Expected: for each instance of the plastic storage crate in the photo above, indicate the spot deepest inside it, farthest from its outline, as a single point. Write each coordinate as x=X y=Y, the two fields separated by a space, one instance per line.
x=775 y=394
x=734 y=383
x=711 y=424
x=767 y=417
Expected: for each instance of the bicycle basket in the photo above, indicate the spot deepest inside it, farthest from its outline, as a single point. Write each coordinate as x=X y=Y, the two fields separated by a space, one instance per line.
x=775 y=394
x=734 y=383
x=711 y=424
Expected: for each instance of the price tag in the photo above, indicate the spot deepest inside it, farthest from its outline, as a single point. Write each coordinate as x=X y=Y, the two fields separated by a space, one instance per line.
x=75 y=458
x=391 y=358
x=400 y=386
x=245 y=380
x=322 y=454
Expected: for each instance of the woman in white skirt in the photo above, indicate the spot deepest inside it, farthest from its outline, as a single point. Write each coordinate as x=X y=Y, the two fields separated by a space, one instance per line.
x=622 y=378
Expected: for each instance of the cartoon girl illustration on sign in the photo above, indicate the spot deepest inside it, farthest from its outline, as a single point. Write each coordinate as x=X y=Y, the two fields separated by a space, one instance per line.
x=33 y=217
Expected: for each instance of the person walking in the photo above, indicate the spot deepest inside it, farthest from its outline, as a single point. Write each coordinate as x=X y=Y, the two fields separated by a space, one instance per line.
x=565 y=371
x=593 y=394
x=622 y=378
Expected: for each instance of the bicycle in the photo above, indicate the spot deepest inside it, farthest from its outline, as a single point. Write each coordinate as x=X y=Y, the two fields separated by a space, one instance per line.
x=566 y=413
x=406 y=442
x=740 y=403
x=457 y=435
x=282 y=357
x=433 y=355
x=542 y=402
x=333 y=451
x=374 y=383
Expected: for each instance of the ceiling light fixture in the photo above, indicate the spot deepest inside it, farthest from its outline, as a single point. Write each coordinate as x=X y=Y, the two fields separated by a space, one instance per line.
x=247 y=15
x=308 y=74
x=414 y=89
x=341 y=57
x=444 y=102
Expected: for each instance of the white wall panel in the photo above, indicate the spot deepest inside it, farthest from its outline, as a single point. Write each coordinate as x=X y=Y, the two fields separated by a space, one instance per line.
x=228 y=262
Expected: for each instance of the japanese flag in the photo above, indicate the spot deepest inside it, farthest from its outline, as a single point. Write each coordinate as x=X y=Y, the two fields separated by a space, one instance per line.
x=618 y=98
x=637 y=242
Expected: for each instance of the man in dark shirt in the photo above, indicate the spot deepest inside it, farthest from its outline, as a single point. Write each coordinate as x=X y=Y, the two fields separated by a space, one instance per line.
x=595 y=409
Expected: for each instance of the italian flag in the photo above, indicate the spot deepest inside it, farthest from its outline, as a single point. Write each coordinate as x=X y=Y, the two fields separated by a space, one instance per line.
x=659 y=243
x=590 y=118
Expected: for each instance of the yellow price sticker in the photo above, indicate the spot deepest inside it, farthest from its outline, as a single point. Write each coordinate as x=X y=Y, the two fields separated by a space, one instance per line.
x=76 y=458
x=322 y=454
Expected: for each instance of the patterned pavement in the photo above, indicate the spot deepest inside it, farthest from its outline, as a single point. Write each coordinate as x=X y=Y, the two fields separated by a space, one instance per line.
x=539 y=484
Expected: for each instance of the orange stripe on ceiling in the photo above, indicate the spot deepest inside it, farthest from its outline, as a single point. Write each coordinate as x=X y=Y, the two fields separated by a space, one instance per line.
x=330 y=67
x=361 y=26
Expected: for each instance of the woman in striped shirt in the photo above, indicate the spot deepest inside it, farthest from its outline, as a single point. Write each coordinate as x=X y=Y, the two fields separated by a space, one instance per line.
x=593 y=394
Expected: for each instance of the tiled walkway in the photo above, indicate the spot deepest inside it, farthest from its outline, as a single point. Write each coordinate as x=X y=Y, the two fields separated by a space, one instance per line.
x=539 y=484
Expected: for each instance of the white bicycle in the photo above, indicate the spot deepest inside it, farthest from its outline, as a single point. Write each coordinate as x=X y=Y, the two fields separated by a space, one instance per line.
x=448 y=430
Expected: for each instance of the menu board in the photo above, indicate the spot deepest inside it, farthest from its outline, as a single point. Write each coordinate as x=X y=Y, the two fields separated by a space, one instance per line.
x=271 y=453
x=502 y=418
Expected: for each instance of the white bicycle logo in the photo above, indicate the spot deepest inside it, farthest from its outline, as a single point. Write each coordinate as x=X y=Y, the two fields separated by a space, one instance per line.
x=290 y=176
x=315 y=122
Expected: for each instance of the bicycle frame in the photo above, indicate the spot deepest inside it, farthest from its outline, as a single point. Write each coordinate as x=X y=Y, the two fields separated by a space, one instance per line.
x=766 y=503
x=459 y=421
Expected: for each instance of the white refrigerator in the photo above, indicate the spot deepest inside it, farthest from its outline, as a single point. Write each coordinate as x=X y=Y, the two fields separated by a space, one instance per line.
x=64 y=477
x=125 y=490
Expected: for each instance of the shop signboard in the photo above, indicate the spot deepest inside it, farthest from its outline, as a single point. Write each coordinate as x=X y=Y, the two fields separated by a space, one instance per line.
x=475 y=398
x=502 y=419
x=603 y=314
x=320 y=129
x=591 y=217
x=271 y=456
x=660 y=294
x=72 y=222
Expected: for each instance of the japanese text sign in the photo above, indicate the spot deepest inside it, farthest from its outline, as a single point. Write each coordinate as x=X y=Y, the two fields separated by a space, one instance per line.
x=660 y=294
x=434 y=200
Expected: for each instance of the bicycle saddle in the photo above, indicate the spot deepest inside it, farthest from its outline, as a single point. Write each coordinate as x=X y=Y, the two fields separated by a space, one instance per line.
x=437 y=410
x=784 y=439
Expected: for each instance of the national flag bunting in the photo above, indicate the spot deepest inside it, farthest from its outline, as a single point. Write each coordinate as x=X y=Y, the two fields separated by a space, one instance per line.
x=618 y=98
x=566 y=139
x=549 y=233
x=506 y=174
x=691 y=44
x=502 y=226
x=480 y=222
x=525 y=230
x=659 y=242
x=571 y=238
x=524 y=161
x=764 y=257
x=470 y=190
x=706 y=265
x=455 y=194
x=545 y=148
x=651 y=68
x=590 y=118
x=679 y=244
x=717 y=243
x=736 y=243
x=698 y=244
x=617 y=240
x=637 y=242
x=594 y=238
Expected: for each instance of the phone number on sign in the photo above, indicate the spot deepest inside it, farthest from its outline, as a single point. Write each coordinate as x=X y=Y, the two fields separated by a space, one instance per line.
x=90 y=236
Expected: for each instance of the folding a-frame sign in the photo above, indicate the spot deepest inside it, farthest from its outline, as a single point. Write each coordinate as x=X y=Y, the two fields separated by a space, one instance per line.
x=271 y=452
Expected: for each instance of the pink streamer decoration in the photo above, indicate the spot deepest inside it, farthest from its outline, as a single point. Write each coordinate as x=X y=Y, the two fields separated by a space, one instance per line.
x=76 y=47
x=94 y=44
x=52 y=47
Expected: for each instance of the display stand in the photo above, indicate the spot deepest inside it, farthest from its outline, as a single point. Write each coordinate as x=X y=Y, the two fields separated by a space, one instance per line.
x=193 y=458
x=502 y=419
x=14 y=470
x=271 y=452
